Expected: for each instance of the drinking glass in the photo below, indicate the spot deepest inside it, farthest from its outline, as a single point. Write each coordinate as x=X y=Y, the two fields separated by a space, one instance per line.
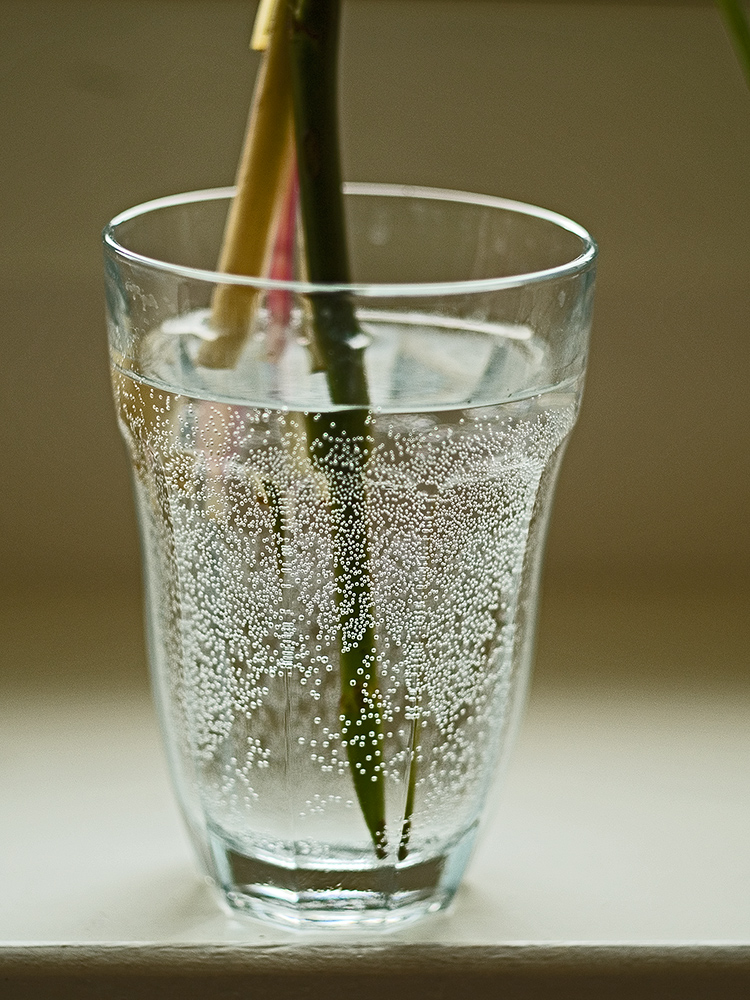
x=340 y=598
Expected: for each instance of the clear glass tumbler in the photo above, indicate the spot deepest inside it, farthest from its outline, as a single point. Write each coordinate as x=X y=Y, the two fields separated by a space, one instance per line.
x=341 y=598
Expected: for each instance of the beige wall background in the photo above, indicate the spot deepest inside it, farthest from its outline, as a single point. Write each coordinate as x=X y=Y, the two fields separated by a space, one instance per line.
x=633 y=119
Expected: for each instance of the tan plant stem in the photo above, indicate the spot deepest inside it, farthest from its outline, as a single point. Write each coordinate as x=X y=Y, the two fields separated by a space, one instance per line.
x=262 y=180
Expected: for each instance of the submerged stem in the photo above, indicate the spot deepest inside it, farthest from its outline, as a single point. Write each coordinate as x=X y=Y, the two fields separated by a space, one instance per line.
x=403 y=847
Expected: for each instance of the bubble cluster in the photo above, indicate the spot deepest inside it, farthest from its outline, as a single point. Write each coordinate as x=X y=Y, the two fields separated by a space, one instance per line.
x=246 y=528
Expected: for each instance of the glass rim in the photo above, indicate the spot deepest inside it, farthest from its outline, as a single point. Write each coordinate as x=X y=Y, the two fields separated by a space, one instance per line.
x=364 y=289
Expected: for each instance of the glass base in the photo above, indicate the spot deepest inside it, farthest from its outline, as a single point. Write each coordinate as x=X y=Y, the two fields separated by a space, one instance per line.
x=386 y=895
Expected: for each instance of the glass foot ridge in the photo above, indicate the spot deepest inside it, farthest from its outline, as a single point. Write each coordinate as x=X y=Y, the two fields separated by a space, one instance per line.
x=318 y=896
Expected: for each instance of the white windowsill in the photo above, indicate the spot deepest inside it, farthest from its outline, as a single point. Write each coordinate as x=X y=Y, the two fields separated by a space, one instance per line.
x=623 y=834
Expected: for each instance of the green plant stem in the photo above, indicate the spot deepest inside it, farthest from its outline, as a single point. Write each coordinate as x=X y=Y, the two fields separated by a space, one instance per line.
x=403 y=847
x=339 y=441
x=736 y=20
